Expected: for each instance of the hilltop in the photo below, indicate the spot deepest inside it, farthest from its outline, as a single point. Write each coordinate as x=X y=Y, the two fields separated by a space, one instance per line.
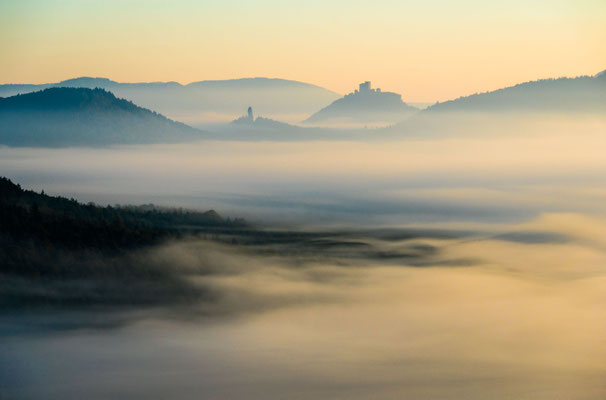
x=57 y=117
x=364 y=106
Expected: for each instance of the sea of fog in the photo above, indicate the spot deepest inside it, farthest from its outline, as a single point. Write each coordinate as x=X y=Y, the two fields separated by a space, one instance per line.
x=509 y=305
x=496 y=173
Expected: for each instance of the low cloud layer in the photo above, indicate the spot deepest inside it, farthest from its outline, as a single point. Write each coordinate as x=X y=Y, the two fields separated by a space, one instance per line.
x=426 y=268
x=492 y=171
x=510 y=312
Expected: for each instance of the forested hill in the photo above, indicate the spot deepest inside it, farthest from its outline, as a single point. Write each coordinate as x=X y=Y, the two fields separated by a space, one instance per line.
x=585 y=94
x=59 y=252
x=67 y=223
x=64 y=116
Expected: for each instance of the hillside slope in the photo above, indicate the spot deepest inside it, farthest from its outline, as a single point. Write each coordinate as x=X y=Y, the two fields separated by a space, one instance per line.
x=58 y=117
x=526 y=107
x=581 y=94
x=364 y=106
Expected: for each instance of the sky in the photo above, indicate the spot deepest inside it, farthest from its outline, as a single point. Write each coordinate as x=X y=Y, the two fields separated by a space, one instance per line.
x=426 y=50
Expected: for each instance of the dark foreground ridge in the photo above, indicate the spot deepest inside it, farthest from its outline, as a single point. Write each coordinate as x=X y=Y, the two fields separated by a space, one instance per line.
x=46 y=242
x=27 y=215
x=57 y=254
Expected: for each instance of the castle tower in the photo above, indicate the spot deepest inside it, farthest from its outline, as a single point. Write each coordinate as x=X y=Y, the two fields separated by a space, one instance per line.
x=251 y=117
x=365 y=87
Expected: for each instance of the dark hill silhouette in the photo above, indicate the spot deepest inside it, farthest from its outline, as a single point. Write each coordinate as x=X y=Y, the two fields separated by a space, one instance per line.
x=198 y=101
x=57 y=251
x=581 y=94
x=83 y=117
x=67 y=223
x=364 y=106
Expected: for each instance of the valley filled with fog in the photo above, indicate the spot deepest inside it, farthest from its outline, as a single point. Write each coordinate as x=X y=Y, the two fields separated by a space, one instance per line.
x=445 y=266
x=313 y=200
x=480 y=169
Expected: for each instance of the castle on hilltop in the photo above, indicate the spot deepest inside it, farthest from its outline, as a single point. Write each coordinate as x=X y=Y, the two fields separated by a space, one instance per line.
x=366 y=88
x=365 y=105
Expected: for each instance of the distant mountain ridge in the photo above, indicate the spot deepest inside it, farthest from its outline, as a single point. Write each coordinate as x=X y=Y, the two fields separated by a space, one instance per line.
x=11 y=89
x=580 y=94
x=84 y=117
x=204 y=101
x=510 y=108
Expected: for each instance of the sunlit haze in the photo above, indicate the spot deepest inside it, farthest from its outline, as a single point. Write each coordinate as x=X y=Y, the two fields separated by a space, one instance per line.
x=428 y=51
x=313 y=200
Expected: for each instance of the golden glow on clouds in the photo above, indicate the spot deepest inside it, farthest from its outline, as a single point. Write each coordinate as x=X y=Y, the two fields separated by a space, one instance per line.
x=433 y=50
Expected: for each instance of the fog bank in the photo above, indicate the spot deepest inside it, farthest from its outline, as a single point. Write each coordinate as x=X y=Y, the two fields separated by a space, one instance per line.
x=525 y=319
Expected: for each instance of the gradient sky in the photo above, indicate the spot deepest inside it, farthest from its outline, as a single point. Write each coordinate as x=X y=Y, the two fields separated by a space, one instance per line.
x=426 y=50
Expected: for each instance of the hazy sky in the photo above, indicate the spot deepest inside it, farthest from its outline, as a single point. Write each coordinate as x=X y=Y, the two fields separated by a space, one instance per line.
x=427 y=50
